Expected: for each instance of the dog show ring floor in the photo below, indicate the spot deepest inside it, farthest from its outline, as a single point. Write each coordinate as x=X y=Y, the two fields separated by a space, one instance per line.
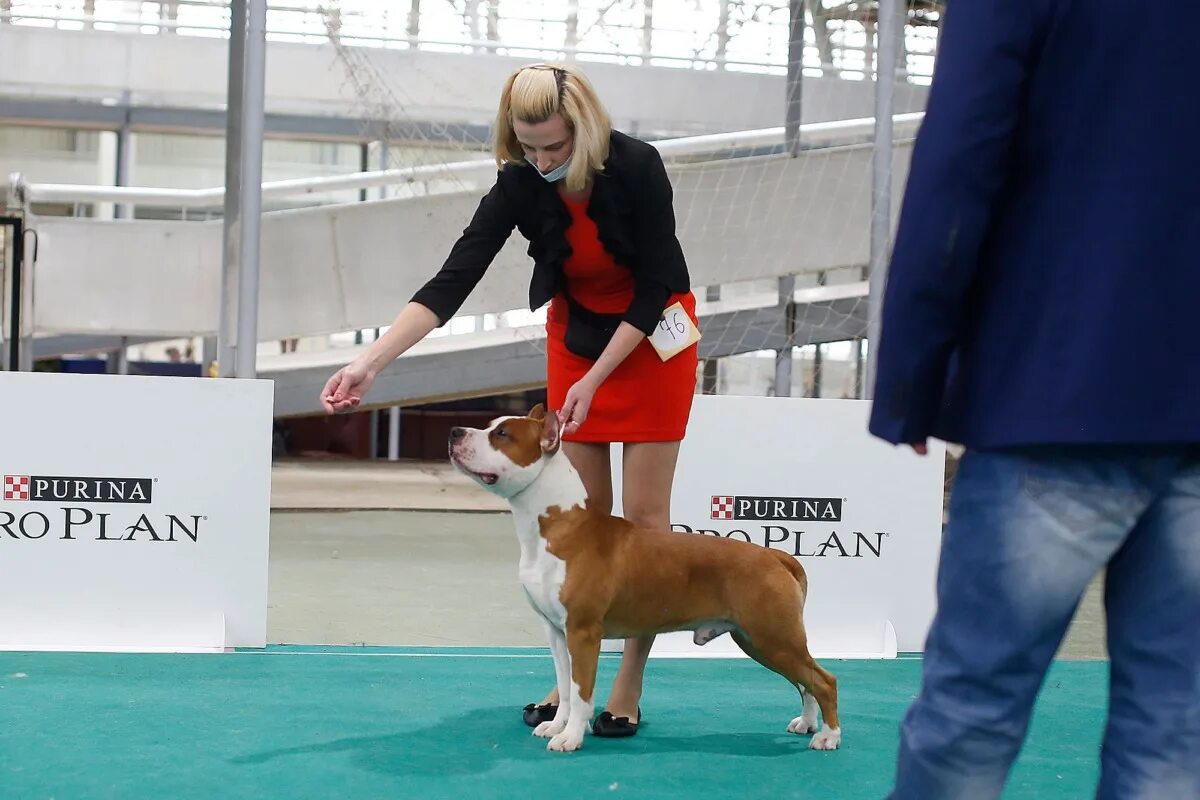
x=369 y=722
x=364 y=558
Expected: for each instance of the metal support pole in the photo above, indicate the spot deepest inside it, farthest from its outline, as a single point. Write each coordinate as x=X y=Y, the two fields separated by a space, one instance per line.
x=722 y=31
x=124 y=166
x=384 y=159
x=16 y=226
x=252 y=147
x=373 y=435
x=859 y=344
x=364 y=164
x=414 y=21
x=647 y=30
x=170 y=12
x=472 y=17
x=818 y=353
x=783 y=356
x=711 y=377
x=117 y=361
x=890 y=31
x=208 y=353
x=571 y=36
x=821 y=34
x=795 y=76
x=364 y=161
x=394 y=433
x=711 y=369
x=792 y=118
x=232 y=224
x=818 y=369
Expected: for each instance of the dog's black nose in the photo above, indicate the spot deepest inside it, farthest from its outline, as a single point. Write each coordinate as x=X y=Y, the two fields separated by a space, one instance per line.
x=456 y=434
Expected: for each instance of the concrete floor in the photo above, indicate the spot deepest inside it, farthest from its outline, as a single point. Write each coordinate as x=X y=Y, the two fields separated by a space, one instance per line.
x=397 y=578
x=393 y=571
x=362 y=486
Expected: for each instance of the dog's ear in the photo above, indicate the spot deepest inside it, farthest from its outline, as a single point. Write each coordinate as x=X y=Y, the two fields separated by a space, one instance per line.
x=538 y=412
x=551 y=433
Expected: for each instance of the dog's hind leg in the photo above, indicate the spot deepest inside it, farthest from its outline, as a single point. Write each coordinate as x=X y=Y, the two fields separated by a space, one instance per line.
x=807 y=722
x=787 y=654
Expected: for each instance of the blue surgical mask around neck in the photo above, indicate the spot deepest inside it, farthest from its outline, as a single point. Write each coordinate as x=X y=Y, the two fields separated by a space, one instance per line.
x=556 y=174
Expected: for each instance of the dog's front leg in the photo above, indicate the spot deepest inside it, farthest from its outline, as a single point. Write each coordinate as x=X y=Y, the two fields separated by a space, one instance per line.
x=583 y=644
x=562 y=674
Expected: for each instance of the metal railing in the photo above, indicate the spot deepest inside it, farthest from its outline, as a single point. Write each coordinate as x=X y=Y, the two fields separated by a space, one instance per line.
x=720 y=34
x=854 y=132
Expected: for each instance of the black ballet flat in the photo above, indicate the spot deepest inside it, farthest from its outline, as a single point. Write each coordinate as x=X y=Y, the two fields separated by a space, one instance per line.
x=610 y=727
x=535 y=715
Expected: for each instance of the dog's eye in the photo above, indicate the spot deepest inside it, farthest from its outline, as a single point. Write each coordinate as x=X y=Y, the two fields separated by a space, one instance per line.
x=503 y=434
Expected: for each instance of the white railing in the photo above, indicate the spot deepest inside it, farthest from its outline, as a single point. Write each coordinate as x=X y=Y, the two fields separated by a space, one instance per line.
x=853 y=132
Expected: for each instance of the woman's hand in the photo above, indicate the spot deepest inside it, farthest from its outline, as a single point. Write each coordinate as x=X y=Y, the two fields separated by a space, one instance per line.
x=579 y=397
x=578 y=403
x=346 y=388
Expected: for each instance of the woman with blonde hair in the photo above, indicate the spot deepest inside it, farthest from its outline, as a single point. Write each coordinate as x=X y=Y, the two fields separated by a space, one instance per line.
x=596 y=207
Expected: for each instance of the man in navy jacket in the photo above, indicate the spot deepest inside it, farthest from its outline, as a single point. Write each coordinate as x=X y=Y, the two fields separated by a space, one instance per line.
x=1040 y=310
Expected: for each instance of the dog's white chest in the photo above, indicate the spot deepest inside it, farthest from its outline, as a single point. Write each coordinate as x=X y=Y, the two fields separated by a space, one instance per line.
x=542 y=575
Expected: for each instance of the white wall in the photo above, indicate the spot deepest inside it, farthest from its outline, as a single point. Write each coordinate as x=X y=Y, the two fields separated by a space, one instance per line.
x=59 y=156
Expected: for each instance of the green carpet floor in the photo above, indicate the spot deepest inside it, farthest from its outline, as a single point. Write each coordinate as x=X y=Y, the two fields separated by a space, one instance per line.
x=298 y=723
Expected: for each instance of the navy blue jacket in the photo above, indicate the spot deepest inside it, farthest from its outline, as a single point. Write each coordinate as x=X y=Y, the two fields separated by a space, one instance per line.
x=1046 y=268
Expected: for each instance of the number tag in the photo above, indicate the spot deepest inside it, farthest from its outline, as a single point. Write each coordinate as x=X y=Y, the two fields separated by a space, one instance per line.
x=674 y=333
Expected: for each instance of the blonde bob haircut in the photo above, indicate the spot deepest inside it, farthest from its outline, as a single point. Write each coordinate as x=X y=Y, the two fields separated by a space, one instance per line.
x=536 y=92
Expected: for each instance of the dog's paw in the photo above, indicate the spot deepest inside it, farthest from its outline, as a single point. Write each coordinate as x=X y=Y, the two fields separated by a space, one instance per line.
x=549 y=728
x=826 y=739
x=566 y=742
x=802 y=725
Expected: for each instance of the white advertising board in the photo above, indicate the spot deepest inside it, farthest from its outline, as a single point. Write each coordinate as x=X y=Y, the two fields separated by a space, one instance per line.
x=135 y=512
x=804 y=476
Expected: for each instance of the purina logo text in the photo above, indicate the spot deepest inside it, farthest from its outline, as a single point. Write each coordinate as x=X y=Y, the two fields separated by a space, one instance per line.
x=73 y=520
x=803 y=544
x=777 y=509
x=61 y=489
x=812 y=540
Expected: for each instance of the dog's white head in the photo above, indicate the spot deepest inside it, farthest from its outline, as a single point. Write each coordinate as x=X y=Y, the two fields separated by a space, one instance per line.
x=508 y=456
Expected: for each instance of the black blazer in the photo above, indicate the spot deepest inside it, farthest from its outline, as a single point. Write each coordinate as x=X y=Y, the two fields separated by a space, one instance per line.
x=631 y=205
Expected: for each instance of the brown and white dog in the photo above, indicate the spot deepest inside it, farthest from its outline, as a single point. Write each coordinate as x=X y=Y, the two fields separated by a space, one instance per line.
x=591 y=575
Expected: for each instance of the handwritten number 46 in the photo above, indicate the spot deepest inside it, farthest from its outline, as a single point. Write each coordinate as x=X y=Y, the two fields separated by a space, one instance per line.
x=673 y=326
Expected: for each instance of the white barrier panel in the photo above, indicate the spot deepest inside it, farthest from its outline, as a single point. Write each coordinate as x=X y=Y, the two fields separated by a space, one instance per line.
x=135 y=512
x=336 y=268
x=805 y=477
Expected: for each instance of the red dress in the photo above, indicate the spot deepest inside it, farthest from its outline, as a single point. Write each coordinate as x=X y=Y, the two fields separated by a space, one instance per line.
x=645 y=399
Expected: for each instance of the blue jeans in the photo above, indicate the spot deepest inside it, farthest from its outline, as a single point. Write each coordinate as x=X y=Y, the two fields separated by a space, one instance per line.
x=1028 y=530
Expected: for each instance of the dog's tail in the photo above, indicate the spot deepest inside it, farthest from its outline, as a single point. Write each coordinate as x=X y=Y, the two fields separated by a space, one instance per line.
x=793 y=566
